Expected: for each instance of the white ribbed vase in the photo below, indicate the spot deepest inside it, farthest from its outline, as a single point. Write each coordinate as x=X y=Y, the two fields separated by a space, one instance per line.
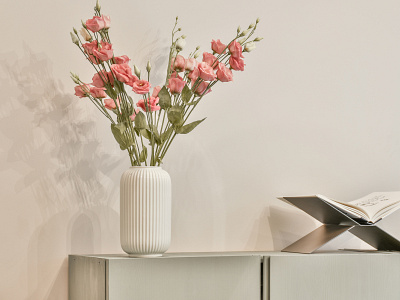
x=145 y=211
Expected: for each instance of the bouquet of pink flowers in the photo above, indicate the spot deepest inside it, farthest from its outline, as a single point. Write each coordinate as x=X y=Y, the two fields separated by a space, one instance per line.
x=161 y=113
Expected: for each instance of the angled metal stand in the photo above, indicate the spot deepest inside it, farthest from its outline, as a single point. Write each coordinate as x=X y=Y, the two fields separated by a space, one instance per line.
x=336 y=222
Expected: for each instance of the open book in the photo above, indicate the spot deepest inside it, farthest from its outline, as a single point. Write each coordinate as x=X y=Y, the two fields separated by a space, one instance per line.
x=370 y=208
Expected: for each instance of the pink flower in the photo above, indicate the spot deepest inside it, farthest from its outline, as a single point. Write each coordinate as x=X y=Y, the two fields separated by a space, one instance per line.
x=176 y=85
x=98 y=92
x=175 y=75
x=107 y=21
x=210 y=59
x=102 y=77
x=121 y=59
x=151 y=104
x=217 y=46
x=123 y=73
x=156 y=90
x=190 y=64
x=178 y=63
x=194 y=74
x=200 y=89
x=141 y=86
x=82 y=90
x=223 y=73
x=110 y=103
x=95 y=24
x=133 y=116
x=206 y=72
x=235 y=49
x=89 y=47
x=104 y=52
x=236 y=63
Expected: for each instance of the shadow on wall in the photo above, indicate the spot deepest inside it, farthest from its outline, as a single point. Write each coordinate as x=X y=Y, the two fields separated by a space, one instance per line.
x=50 y=143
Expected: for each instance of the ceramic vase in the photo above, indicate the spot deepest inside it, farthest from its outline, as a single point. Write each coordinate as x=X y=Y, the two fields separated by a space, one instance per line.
x=145 y=211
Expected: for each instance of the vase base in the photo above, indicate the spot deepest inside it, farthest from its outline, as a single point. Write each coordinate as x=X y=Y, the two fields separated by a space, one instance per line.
x=144 y=255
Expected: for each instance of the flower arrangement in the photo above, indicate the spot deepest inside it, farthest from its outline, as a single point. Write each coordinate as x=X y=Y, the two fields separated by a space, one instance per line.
x=163 y=112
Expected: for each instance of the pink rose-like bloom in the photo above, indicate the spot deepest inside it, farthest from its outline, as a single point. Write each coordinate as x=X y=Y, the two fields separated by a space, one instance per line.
x=123 y=73
x=110 y=104
x=133 y=116
x=217 y=46
x=224 y=74
x=100 y=78
x=122 y=59
x=236 y=63
x=82 y=90
x=206 y=72
x=178 y=63
x=105 y=52
x=151 y=104
x=176 y=85
x=210 y=59
x=235 y=49
x=200 y=87
x=175 y=75
x=98 y=92
x=141 y=87
x=95 y=24
x=107 y=21
x=190 y=64
x=194 y=74
x=156 y=90
x=89 y=47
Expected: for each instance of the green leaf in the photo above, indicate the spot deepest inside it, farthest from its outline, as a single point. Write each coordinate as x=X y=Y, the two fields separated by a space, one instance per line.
x=175 y=115
x=166 y=134
x=140 y=121
x=146 y=133
x=143 y=155
x=121 y=127
x=189 y=127
x=110 y=91
x=193 y=102
x=156 y=134
x=165 y=98
x=186 y=94
x=119 y=136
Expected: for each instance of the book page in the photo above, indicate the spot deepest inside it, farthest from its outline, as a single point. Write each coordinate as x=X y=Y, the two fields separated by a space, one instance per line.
x=379 y=204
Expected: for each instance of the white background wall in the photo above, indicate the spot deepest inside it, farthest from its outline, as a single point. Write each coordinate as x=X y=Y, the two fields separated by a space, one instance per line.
x=316 y=111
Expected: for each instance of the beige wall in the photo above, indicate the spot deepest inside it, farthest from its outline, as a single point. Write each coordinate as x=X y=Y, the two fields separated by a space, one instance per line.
x=316 y=111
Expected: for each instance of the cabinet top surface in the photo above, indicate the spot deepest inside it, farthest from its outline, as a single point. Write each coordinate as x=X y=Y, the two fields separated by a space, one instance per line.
x=239 y=254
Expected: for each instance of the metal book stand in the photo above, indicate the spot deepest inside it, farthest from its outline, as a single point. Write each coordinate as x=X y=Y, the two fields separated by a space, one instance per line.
x=334 y=223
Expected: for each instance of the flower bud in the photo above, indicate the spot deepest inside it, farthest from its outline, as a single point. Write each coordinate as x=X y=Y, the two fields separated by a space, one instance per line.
x=196 y=55
x=258 y=20
x=148 y=67
x=179 y=29
x=242 y=40
x=75 y=78
x=85 y=34
x=245 y=32
x=238 y=29
x=74 y=39
x=251 y=25
x=83 y=24
x=183 y=36
x=136 y=70
x=257 y=39
x=180 y=44
x=97 y=7
x=75 y=31
x=249 y=46
x=198 y=47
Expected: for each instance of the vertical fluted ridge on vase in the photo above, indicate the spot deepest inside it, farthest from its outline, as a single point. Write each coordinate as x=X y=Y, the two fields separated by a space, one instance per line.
x=145 y=211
